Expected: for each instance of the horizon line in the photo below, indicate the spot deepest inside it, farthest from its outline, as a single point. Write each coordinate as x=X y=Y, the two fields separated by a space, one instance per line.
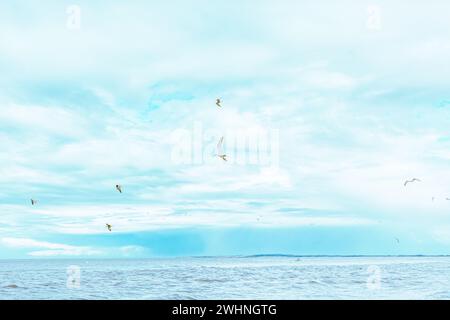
x=240 y=256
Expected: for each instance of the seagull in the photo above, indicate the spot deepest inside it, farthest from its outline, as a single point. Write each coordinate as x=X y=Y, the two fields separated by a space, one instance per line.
x=109 y=226
x=220 y=153
x=33 y=202
x=412 y=180
x=119 y=188
x=218 y=102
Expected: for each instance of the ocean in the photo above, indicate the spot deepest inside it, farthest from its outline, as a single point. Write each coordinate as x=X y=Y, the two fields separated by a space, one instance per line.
x=255 y=277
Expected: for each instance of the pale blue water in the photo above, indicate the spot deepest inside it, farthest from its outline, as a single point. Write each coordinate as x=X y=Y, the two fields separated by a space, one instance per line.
x=231 y=278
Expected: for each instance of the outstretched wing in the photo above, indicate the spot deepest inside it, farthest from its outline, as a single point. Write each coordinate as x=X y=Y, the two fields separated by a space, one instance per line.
x=411 y=181
x=219 y=146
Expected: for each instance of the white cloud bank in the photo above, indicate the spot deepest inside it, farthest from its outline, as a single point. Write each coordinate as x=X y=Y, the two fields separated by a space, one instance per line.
x=50 y=249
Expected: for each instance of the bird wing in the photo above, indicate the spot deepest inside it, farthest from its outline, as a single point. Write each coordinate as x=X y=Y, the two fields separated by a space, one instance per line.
x=219 y=146
x=412 y=180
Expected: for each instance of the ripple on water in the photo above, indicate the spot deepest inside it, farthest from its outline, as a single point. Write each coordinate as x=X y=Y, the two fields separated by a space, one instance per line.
x=221 y=278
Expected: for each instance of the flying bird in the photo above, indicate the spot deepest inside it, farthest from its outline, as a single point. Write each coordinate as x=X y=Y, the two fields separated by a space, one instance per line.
x=412 y=180
x=218 y=102
x=109 y=226
x=220 y=153
x=398 y=241
x=33 y=202
x=119 y=188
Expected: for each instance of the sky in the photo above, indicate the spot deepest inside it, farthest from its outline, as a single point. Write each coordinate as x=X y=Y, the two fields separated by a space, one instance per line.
x=327 y=108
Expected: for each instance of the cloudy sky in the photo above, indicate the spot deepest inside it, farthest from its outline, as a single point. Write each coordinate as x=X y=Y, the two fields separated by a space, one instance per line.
x=327 y=108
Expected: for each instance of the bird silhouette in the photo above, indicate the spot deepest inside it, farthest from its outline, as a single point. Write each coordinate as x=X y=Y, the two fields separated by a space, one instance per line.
x=109 y=226
x=412 y=180
x=218 y=102
x=33 y=202
x=220 y=153
x=119 y=188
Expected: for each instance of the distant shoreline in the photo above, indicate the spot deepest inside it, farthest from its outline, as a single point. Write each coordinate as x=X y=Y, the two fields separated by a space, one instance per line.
x=322 y=256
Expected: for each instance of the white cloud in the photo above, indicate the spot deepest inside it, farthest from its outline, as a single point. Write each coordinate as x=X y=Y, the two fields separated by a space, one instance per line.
x=330 y=80
x=128 y=218
x=54 y=248
x=54 y=120
x=15 y=173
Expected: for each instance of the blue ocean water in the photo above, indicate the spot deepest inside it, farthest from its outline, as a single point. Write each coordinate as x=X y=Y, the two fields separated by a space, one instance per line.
x=266 y=277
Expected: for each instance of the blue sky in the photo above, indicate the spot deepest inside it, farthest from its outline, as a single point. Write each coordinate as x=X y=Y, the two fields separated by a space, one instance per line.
x=350 y=98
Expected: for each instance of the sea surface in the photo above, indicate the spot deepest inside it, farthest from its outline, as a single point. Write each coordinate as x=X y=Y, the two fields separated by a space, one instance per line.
x=256 y=277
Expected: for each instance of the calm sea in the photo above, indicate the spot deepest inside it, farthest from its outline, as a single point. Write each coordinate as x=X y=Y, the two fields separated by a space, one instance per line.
x=266 y=277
